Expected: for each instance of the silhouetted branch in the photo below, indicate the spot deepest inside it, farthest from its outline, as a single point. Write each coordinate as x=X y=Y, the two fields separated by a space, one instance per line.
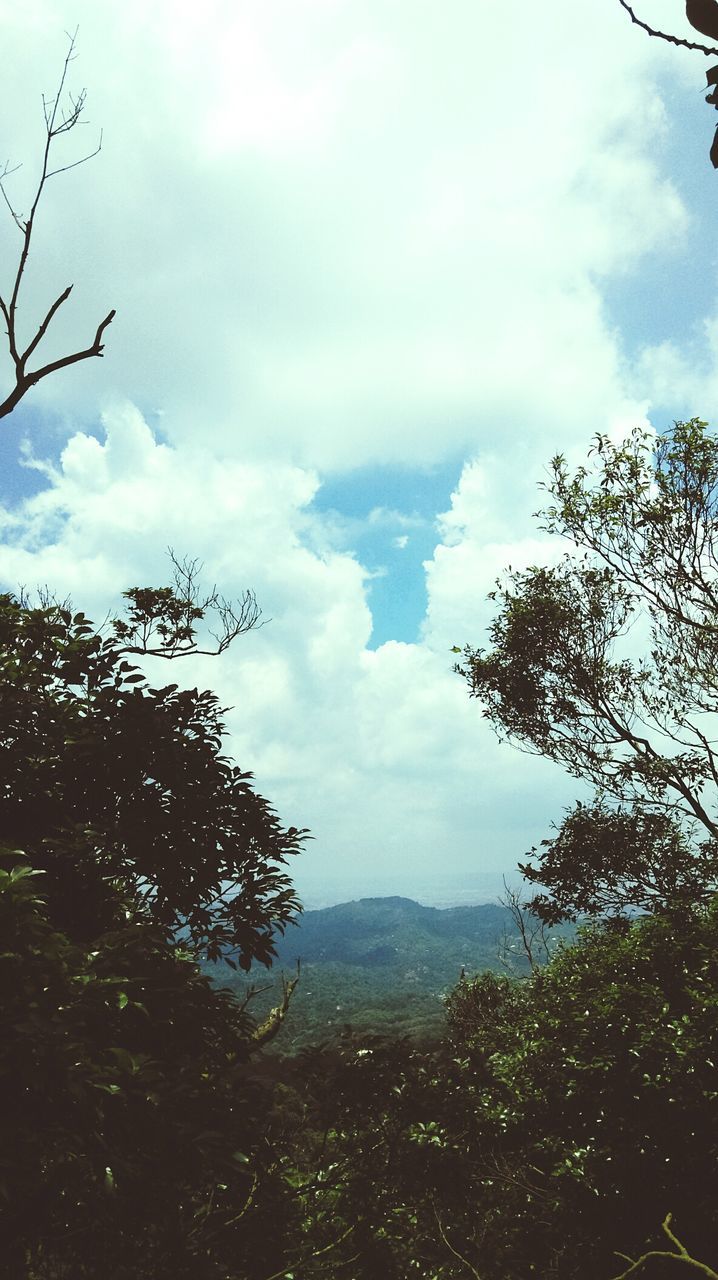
x=662 y=35
x=162 y=621
x=57 y=122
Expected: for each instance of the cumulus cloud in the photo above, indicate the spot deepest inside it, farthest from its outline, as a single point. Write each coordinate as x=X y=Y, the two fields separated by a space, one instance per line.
x=341 y=235
x=379 y=752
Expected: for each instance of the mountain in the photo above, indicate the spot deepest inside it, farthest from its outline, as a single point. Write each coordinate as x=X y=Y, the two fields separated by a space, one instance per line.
x=394 y=933
x=380 y=965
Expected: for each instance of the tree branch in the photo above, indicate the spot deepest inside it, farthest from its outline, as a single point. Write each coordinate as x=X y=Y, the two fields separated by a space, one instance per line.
x=451 y=1248
x=42 y=329
x=682 y=1255
x=268 y=1029
x=57 y=122
x=28 y=380
x=662 y=35
x=162 y=623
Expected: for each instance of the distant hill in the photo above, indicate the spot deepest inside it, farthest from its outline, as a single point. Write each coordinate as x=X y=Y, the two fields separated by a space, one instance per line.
x=381 y=965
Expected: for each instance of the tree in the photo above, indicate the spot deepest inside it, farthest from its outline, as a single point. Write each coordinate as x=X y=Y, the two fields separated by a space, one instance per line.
x=60 y=120
x=106 y=781
x=162 y=621
x=133 y=1121
x=606 y=664
x=133 y=1131
x=594 y=1093
x=563 y=1117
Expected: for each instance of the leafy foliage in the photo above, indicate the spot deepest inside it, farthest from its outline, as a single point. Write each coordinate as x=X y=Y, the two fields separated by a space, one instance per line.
x=605 y=860
x=607 y=664
x=564 y=1113
x=132 y=1118
x=105 y=781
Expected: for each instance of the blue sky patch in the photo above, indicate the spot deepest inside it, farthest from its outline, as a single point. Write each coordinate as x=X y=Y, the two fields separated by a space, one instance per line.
x=387 y=515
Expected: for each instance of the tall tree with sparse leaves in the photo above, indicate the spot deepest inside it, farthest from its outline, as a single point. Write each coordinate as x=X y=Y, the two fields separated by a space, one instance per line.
x=606 y=664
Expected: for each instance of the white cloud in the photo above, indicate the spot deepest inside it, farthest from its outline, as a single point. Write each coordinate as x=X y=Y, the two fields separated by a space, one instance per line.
x=338 y=233
x=347 y=234
x=681 y=378
x=379 y=752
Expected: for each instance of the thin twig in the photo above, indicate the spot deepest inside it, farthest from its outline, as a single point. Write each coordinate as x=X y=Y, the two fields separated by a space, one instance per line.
x=662 y=35
x=54 y=127
x=293 y=1266
x=451 y=1248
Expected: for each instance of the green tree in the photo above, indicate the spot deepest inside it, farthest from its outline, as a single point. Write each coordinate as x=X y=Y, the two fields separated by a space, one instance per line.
x=595 y=1094
x=606 y=664
x=133 y=1122
x=105 y=781
x=133 y=1130
x=564 y=1117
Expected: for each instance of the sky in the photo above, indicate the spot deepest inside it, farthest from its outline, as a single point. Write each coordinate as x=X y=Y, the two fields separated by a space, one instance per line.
x=374 y=263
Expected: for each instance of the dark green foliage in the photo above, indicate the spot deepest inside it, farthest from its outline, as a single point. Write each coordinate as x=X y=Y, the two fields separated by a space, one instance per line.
x=565 y=1115
x=105 y=781
x=132 y=1120
x=122 y=1103
x=605 y=860
x=600 y=1076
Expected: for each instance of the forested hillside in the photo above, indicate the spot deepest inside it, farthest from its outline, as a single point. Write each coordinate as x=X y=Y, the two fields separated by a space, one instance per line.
x=381 y=965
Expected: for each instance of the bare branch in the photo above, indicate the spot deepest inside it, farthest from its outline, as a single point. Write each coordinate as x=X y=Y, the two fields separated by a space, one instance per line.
x=451 y=1248
x=251 y=994
x=6 y=173
x=316 y=1253
x=28 y=380
x=65 y=168
x=662 y=35
x=42 y=330
x=532 y=931
x=58 y=121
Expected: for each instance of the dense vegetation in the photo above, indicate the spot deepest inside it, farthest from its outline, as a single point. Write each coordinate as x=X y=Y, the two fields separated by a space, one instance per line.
x=564 y=1123
x=562 y=1113
x=380 y=965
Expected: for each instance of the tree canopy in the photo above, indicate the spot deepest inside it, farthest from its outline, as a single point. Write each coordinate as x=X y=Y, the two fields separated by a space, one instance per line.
x=606 y=664
x=105 y=781
x=131 y=847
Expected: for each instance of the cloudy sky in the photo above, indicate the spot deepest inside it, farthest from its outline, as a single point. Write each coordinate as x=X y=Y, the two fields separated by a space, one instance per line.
x=374 y=262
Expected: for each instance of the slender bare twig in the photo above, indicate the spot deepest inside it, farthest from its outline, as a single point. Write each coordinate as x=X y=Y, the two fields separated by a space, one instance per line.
x=57 y=122
x=662 y=35
x=531 y=930
x=252 y=994
x=294 y=1266
x=451 y=1248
